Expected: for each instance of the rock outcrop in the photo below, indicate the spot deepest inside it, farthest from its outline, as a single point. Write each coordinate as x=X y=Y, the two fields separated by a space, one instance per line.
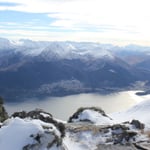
x=43 y=116
x=3 y=113
x=93 y=115
x=103 y=134
x=34 y=130
x=89 y=128
x=123 y=136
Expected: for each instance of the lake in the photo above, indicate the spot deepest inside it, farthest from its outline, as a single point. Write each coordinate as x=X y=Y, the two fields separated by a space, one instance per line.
x=63 y=107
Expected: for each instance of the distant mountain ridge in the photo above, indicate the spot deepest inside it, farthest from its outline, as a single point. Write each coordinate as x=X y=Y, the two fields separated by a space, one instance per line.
x=29 y=68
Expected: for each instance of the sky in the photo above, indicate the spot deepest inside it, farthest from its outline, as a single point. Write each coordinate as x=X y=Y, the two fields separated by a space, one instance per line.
x=118 y=22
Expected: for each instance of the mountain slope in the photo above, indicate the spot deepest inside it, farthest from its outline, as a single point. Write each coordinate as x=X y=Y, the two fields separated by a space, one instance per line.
x=32 y=75
x=29 y=68
x=140 y=112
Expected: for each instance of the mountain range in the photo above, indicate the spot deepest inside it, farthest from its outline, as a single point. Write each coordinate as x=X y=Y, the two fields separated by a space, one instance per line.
x=40 y=68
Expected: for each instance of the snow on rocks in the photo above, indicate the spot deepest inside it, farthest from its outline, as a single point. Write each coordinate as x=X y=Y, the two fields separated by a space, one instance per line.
x=87 y=129
x=43 y=116
x=90 y=136
x=90 y=128
x=35 y=130
x=91 y=114
x=26 y=134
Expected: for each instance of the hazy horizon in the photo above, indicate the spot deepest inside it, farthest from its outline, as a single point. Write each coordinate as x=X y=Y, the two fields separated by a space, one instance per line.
x=18 y=41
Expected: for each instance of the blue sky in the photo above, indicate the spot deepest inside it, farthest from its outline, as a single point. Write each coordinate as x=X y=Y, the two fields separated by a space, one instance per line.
x=118 y=22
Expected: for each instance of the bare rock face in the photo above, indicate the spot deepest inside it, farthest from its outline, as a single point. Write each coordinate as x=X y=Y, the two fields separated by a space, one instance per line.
x=48 y=140
x=3 y=113
x=34 y=114
x=121 y=134
x=137 y=124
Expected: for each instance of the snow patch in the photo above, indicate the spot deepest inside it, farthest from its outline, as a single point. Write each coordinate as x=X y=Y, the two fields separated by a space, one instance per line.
x=113 y=71
x=17 y=133
x=93 y=116
x=139 y=112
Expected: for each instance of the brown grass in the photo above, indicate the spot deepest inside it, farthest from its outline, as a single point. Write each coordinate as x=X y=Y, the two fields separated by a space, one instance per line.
x=147 y=133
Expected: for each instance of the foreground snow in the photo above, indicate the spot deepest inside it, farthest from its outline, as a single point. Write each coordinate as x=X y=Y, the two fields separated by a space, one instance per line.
x=104 y=130
x=140 y=112
x=17 y=134
x=88 y=129
x=87 y=137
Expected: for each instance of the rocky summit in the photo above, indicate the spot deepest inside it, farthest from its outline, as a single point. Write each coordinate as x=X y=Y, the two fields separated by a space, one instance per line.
x=89 y=128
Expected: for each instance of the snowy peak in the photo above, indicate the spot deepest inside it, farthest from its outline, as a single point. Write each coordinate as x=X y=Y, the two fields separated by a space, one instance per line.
x=61 y=50
x=47 y=64
x=5 y=44
x=57 y=50
x=71 y=50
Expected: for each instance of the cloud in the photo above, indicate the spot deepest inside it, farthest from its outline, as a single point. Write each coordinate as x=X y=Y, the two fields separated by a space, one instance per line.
x=91 y=11
x=86 y=19
x=9 y=4
x=110 y=37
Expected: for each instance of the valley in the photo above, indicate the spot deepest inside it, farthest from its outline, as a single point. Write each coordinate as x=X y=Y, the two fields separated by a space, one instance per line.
x=47 y=69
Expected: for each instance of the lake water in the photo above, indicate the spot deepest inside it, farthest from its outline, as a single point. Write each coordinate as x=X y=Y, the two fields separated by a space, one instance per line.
x=63 y=107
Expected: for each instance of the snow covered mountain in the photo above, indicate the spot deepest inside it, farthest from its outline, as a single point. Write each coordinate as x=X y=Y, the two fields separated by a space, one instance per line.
x=62 y=49
x=39 y=68
x=139 y=112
